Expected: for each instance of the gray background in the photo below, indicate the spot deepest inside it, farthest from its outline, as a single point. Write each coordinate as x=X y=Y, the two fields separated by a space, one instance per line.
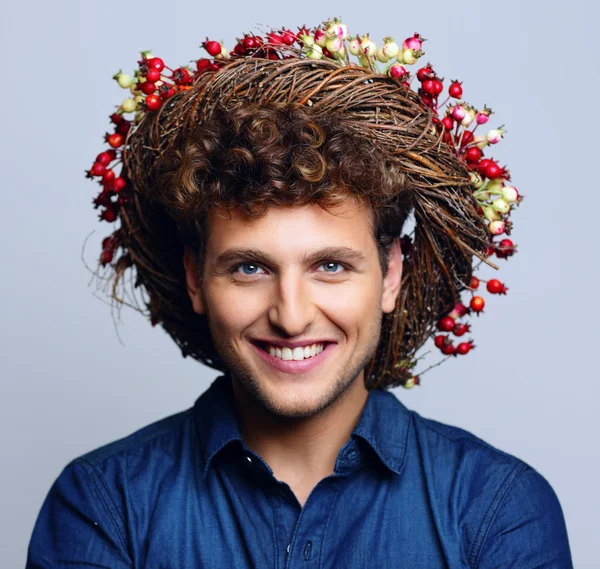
x=69 y=385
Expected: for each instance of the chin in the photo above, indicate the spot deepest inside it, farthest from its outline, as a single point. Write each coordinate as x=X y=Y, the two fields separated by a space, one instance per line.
x=296 y=400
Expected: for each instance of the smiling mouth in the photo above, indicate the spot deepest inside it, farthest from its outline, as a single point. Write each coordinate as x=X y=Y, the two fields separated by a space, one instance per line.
x=292 y=354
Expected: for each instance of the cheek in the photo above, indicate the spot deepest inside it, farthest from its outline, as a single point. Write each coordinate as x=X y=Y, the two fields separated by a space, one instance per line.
x=234 y=307
x=352 y=304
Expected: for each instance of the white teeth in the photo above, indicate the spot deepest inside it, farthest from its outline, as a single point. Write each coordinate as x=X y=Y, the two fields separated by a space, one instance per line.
x=296 y=354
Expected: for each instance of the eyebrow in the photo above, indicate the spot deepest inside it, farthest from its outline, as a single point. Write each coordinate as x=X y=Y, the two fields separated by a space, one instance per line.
x=338 y=253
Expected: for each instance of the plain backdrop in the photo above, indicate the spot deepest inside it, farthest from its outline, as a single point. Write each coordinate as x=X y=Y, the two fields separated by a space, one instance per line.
x=69 y=384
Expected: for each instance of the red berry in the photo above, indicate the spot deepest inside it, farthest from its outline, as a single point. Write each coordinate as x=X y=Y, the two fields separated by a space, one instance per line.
x=449 y=349
x=108 y=242
x=274 y=38
x=203 y=64
x=440 y=341
x=153 y=75
x=250 y=42
x=166 y=90
x=448 y=122
x=288 y=37
x=109 y=214
x=446 y=324
x=181 y=76
x=494 y=286
x=148 y=87
x=153 y=102
x=108 y=176
x=464 y=348
x=424 y=73
x=123 y=127
x=505 y=249
x=106 y=257
x=493 y=171
x=477 y=303
x=428 y=86
x=466 y=137
x=156 y=63
x=213 y=47
x=473 y=154
x=483 y=165
x=104 y=158
x=459 y=310
x=239 y=49
x=426 y=99
x=461 y=329
x=474 y=283
x=115 y=140
x=97 y=169
x=118 y=184
x=455 y=90
x=116 y=118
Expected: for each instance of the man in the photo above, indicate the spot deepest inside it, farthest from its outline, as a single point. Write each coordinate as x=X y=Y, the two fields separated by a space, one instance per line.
x=280 y=263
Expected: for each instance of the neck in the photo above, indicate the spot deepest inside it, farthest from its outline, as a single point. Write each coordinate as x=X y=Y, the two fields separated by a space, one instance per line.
x=305 y=448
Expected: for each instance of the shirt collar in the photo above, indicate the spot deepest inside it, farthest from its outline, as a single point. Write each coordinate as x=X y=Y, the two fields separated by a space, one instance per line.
x=384 y=424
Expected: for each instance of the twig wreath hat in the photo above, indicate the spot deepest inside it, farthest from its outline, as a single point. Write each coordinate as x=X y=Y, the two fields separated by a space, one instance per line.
x=315 y=116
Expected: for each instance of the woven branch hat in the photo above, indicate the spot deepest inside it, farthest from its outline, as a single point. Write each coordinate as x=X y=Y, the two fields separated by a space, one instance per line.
x=182 y=143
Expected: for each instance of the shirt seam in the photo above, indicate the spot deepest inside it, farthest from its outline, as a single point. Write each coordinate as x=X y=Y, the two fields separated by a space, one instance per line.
x=134 y=440
x=467 y=437
x=492 y=511
x=101 y=490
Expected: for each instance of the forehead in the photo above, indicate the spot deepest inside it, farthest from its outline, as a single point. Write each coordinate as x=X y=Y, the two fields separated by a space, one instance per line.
x=283 y=227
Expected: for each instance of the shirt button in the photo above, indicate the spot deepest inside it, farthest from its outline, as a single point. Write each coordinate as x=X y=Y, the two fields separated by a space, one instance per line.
x=287 y=549
x=249 y=459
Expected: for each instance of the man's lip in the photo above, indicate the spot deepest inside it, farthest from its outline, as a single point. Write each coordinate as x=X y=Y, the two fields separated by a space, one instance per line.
x=264 y=343
x=294 y=366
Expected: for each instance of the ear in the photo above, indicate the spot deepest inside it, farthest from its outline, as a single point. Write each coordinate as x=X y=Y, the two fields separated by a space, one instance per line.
x=393 y=278
x=193 y=281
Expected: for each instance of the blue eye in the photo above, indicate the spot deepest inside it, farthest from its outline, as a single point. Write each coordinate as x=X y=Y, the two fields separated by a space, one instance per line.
x=329 y=264
x=249 y=268
x=253 y=268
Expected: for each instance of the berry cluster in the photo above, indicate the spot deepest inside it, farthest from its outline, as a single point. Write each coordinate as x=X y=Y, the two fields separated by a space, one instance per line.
x=455 y=120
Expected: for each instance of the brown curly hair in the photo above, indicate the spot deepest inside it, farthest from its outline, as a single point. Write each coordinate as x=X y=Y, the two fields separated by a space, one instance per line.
x=262 y=133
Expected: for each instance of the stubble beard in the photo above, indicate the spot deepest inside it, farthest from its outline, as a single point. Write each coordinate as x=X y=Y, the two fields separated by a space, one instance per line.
x=242 y=374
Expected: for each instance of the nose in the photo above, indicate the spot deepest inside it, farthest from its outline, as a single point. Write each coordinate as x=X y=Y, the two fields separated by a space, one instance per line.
x=292 y=308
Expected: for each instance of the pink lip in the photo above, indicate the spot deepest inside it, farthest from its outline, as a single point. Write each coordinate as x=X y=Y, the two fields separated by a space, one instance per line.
x=293 y=366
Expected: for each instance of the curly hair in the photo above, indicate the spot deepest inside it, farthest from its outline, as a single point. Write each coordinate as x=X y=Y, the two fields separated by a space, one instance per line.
x=278 y=154
x=262 y=133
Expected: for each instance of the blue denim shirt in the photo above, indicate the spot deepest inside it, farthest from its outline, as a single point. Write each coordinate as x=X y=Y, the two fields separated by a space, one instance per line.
x=185 y=492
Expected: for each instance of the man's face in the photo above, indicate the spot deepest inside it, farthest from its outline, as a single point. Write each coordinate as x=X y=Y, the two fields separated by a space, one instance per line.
x=297 y=275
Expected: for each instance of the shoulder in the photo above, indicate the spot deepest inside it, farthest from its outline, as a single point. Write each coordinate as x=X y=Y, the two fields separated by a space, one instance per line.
x=129 y=468
x=162 y=438
x=498 y=501
x=91 y=499
x=457 y=449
